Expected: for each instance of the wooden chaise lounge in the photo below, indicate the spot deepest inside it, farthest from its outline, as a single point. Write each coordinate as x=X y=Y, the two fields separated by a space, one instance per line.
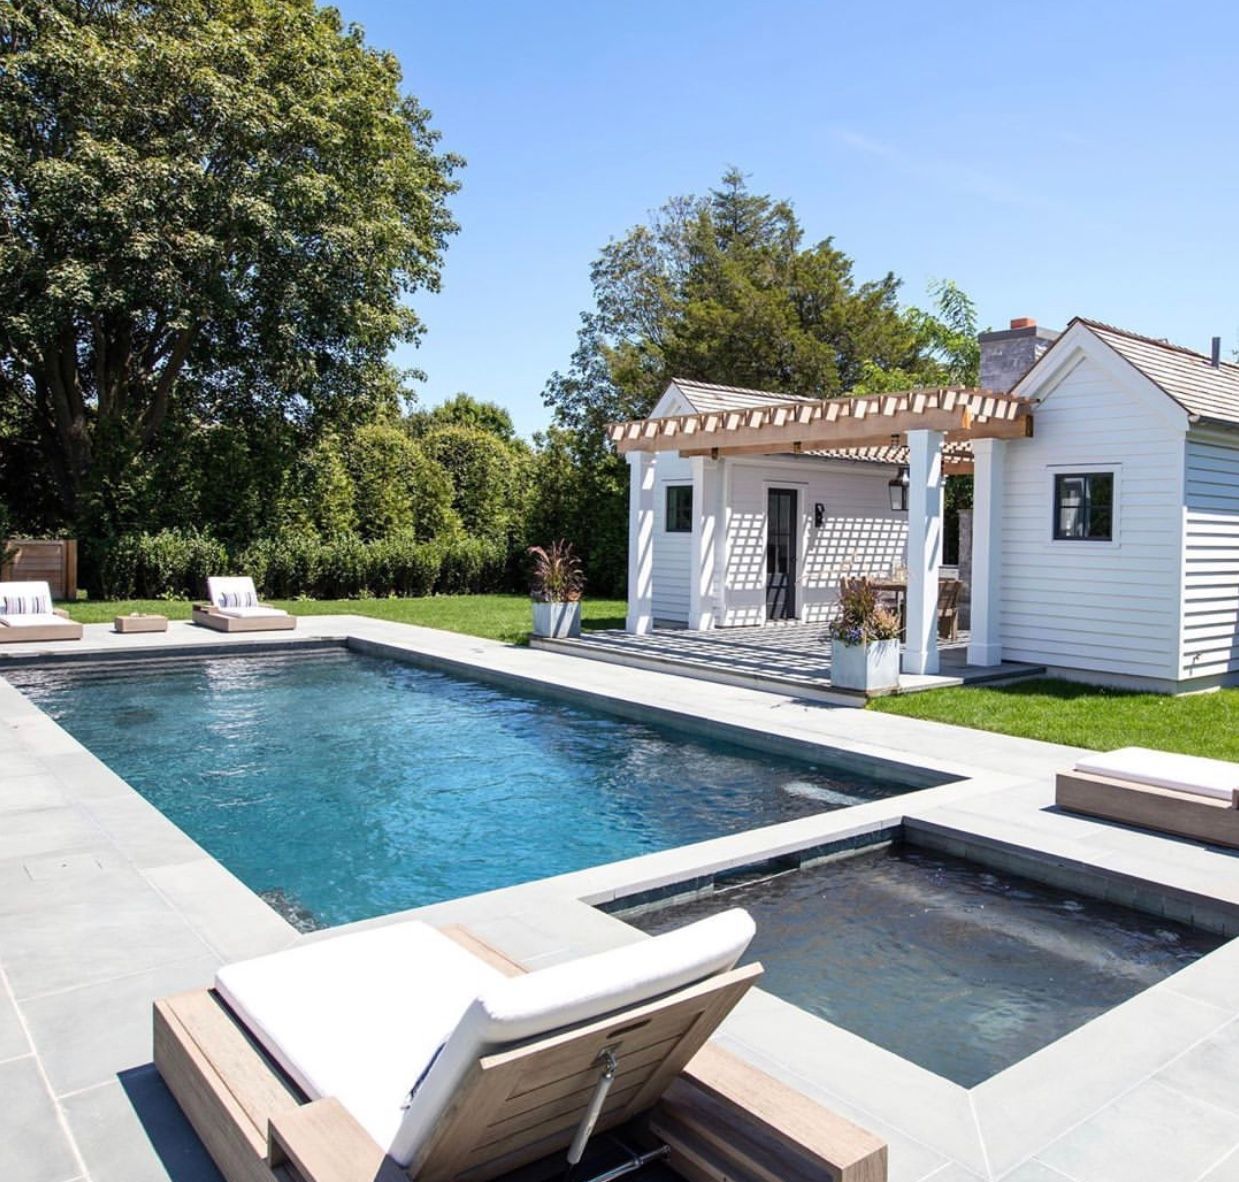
x=234 y=607
x=1185 y=795
x=27 y=615
x=294 y=1067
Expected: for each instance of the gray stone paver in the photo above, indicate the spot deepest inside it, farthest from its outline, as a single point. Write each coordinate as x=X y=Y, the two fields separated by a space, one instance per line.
x=105 y=905
x=33 y=1146
x=1152 y=1134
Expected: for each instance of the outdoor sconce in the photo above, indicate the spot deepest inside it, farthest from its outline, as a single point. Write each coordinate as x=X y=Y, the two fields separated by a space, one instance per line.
x=819 y=515
x=898 y=486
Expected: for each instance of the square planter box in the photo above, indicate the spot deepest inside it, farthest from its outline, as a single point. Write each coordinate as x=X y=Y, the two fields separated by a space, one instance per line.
x=557 y=619
x=870 y=668
x=141 y=623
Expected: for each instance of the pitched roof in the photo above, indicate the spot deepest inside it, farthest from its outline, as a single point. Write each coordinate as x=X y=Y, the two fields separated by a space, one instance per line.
x=1190 y=378
x=705 y=397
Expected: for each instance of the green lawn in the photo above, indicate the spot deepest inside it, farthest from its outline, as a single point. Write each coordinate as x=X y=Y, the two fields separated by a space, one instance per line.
x=499 y=617
x=1082 y=716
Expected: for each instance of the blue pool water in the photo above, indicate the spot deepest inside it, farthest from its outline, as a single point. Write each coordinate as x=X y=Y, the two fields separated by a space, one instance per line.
x=342 y=786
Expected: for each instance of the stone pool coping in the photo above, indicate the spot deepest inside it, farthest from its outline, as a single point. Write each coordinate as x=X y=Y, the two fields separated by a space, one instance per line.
x=104 y=905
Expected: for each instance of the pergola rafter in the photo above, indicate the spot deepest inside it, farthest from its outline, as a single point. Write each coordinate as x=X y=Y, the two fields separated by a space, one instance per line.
x=833 y=424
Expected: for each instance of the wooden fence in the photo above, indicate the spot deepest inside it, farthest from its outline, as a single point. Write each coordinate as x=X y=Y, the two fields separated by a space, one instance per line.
x=42 y=560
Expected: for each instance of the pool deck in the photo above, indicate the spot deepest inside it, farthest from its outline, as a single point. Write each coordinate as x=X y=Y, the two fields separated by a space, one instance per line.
x=106 y=905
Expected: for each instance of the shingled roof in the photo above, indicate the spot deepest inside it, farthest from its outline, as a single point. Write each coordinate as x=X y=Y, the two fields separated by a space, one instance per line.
x=1190 y=378
x=705 y=397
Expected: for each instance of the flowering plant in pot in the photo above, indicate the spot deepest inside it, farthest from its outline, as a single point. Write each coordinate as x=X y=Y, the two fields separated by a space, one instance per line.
x=865 y=640
x=555 y=589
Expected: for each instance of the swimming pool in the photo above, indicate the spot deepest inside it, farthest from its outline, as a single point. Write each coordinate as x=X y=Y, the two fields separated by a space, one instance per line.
x=958 y=968
x=342 y=786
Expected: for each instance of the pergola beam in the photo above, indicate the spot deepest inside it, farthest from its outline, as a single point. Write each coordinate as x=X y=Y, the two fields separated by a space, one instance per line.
x=865 y=421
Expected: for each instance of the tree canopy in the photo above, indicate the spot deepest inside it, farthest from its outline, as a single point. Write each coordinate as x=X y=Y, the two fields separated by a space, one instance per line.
x=723 y=288
x=212 y=212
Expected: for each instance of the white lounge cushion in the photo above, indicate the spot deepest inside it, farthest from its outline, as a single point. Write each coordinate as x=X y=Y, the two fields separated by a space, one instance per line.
x=33 y=620
x=515 y=1009
x=1165 y=769
x=25 y=597
x=232 y=591
x=249 y=613
x=360 y=1016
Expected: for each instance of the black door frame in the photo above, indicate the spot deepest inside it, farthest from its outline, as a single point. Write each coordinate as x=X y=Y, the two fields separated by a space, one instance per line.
x=781 y=599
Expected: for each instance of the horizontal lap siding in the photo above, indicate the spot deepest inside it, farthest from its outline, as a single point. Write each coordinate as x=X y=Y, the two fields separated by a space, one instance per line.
x=1105 y=609
x=673 y=553
x=860 y=534
x=1211 y=561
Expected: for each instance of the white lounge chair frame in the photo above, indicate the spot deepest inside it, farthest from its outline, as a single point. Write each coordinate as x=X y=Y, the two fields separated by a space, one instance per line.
x=720 y=1118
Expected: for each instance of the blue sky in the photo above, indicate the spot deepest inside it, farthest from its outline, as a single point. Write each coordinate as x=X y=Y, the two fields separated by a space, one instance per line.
x=1053 y=159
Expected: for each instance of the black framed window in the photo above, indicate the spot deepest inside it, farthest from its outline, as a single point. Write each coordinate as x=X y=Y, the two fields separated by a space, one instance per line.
x=679 y=508
x=1084 y=507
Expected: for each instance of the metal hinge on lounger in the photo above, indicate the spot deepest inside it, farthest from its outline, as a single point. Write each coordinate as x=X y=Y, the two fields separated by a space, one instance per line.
x=636 y=1160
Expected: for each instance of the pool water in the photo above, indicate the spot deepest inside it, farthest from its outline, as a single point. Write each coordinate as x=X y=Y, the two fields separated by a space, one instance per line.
x=342 y=786
x=959 y=969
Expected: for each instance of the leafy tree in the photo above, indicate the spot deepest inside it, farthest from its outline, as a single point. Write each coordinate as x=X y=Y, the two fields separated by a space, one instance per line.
x=489 y=479
x=463 y=410
x=724 y=289
x=949 y=353
x=399 y=489
x=326 y=493
x=208 y=210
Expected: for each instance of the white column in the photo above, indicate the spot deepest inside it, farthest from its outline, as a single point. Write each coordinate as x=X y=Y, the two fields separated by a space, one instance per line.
x=920 y=654
x=706 y=477
x=722 y=525
x=640 y=542
x=988 y=479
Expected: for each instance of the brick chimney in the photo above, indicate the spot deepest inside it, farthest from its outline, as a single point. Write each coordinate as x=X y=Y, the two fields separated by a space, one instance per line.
x=1007 y=355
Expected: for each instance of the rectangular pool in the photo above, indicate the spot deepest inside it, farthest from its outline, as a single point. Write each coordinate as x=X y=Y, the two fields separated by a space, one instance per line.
x=341 y=786
x=958 y=968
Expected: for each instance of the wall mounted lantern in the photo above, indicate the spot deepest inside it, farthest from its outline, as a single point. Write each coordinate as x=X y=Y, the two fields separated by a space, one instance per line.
x=898 y=486
x=819 y=515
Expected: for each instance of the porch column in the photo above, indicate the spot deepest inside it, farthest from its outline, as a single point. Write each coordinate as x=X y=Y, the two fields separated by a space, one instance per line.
x=640 y=542
x=988 y=478
x=707 y=522
x=920 y=654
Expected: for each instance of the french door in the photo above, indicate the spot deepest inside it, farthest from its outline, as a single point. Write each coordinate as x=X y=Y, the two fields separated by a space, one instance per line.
x=781 y=518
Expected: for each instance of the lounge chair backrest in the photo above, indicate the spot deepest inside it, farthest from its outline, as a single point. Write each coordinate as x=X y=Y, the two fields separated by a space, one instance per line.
x=562 y=999
x=25 y=598
x=232 y=592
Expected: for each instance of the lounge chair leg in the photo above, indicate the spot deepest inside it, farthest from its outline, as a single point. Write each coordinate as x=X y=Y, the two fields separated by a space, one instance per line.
x=586 y=1128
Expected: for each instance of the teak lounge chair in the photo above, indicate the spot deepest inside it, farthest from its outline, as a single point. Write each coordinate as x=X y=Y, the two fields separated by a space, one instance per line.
x=234 y=607
x=1185 y=795
x=26 y=614
x=408 y=1052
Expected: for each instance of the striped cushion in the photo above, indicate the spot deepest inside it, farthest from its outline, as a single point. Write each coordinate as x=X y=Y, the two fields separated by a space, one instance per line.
x=23 y=599
x=232 y=592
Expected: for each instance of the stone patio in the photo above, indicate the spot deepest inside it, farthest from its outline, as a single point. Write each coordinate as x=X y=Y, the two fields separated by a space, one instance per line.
x=105 y=905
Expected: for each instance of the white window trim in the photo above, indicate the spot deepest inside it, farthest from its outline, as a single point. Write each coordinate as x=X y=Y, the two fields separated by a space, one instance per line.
x=1082 y=545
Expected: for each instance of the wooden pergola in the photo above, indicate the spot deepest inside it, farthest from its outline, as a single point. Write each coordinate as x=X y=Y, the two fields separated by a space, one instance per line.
x=852 y=424
x=931 y=432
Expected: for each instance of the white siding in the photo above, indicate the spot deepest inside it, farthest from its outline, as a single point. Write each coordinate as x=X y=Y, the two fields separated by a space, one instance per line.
x=1211 y=560
x=673 y=552
x=1086 y=605
x=861 y=535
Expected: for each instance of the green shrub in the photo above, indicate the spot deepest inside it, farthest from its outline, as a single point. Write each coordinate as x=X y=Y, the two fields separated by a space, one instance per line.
x=401 y=565
x=171 y=564
x=470 y=565
x=344 y=569
x=283 y=566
